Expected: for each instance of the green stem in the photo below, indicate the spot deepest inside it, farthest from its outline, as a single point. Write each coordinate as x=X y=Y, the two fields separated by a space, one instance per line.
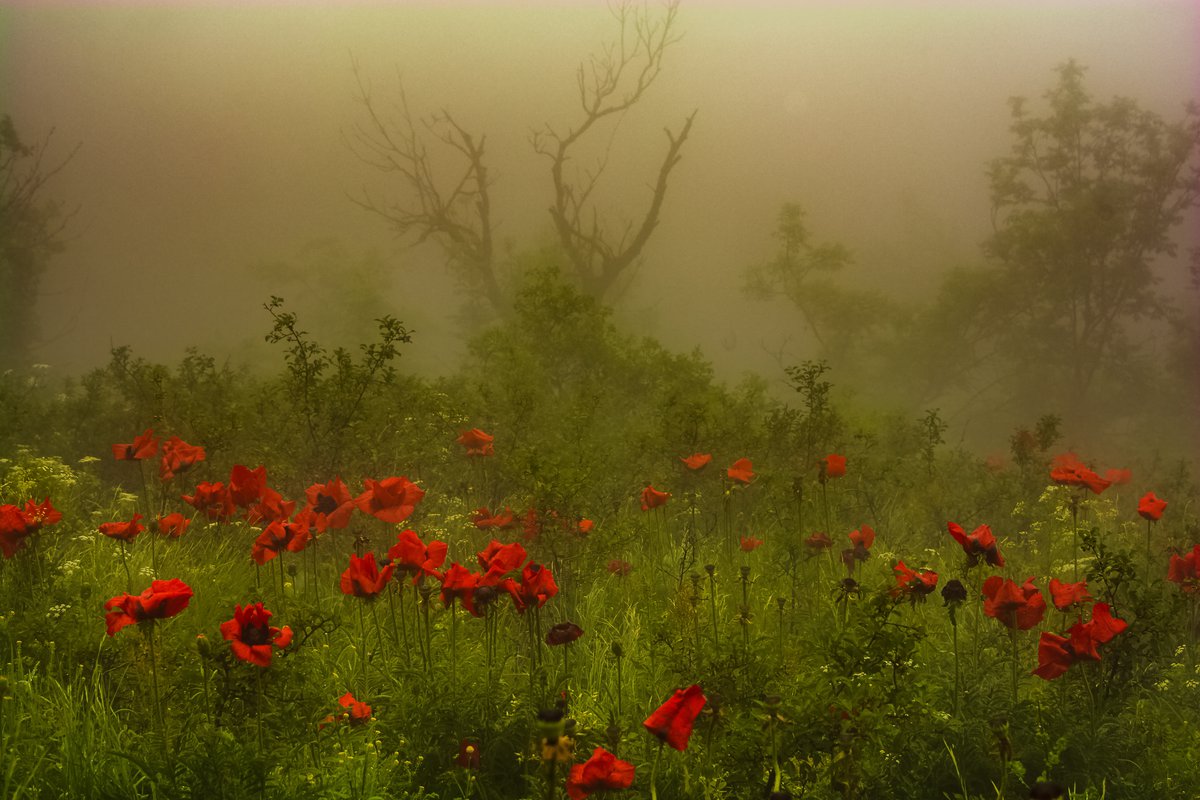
x=654 y=771
x=957 y=668
x=1012 y=635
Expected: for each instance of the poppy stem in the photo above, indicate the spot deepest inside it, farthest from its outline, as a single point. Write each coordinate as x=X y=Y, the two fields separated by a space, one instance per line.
x=1148 y=551
x=125 y=563
x=654 y=770
x=258 y=695
x=362 y=661
x=453 y=643
x=1012 y=635
x=1075 y=534
x=712 y=597
x=957 y=667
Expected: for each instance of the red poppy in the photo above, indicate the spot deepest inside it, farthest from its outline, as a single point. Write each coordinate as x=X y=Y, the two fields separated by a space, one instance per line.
x=163 y=599
x=741 y=471
x=277 y=537
x=178 y=456
x=38 y=514
x=329 y=505
x=1056 y=653
x=585 y=526
x=833 y=466
x=410 y=555
x=252 y=637
x=500 y=559
x=477 y=442
x=819 y=541
x=460 y=583
x=619 y=568
x=1185 y=570
x=212 y=500
x=653 y=498
x=1150 y=507
x=144 y=446
x=357 y=713
x=1015 y=606
x=246 y=485
x=173 y=525
x=863 y=537
x=697 y=461
x=392 y=499
x=672 y=721
x=13 y=530
x=912 y=584
x=1069 y=470
x=563 y=633
x=125 y=531
x=271 y=507
x=1118 y=477
x=979 y=544
x=749 y=543
x=1065 y=595
x=602 y=772
x=363 y=578
x=536 y=587
x=484 y=519
x=468 y=754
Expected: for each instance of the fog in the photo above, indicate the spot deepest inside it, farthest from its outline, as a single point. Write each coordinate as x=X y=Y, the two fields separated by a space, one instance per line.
x=213 y=141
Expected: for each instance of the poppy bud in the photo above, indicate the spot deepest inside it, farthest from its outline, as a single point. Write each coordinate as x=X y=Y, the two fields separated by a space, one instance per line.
x=710 y=569
x=617 y=650
x=954 y=592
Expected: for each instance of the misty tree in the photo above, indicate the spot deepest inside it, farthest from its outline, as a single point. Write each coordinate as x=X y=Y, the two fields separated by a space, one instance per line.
x=31 y=229
x=1085 y=210
x=803 y=271
x=442 y=180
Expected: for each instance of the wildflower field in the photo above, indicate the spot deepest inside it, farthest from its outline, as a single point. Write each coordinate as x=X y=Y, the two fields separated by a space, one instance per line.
x=579 y=567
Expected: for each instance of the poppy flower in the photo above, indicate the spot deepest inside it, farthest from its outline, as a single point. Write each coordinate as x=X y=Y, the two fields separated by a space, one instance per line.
x=477 y=442
x=833 y=466
x=410 y=555
x=697 y=461
x=601 y=773
x=1069 y=470
x=271 y=507
x=13 y=530
x=1065 y=595
x=212 y=500
x=252 y=637
x=246 y=485
x=363 y=578
x=178 y=456
x=1185 y=570
x=653 y=498
x=357 y=713
x=1015 y=606
x=38 y=514
x=563 y=633
x=585 y=526
x=536 y=587
x=619 y=568
x=1150 y=507
x=749 y=543
x=912 y=584
x=468 y=754
x=173 y=525
x=672 y=721
x=818 y=541
x=741 y=471
x=980 y=543
x=498 y=560
x=484 y=519
x=329 y=505
x=460 y=583
x=392 y=499
x=163 y=599
x=144 y=446
x=277 y=537
x=1056 y=653
x=862 y=539
x=125 y=531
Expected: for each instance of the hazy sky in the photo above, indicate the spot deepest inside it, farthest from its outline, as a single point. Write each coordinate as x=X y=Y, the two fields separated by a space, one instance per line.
x=213 y=138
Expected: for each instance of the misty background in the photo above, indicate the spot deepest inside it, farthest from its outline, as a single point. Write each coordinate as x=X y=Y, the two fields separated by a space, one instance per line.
x=215 y=169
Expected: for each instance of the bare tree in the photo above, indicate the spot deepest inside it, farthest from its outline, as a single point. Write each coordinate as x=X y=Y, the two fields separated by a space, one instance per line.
x=455 y=212
x=444 y=181
x=610 y=84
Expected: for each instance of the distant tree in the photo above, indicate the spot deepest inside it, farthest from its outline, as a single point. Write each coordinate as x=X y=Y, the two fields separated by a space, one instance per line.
x=31 y=229
x=452 y=207
x=1085 y=209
